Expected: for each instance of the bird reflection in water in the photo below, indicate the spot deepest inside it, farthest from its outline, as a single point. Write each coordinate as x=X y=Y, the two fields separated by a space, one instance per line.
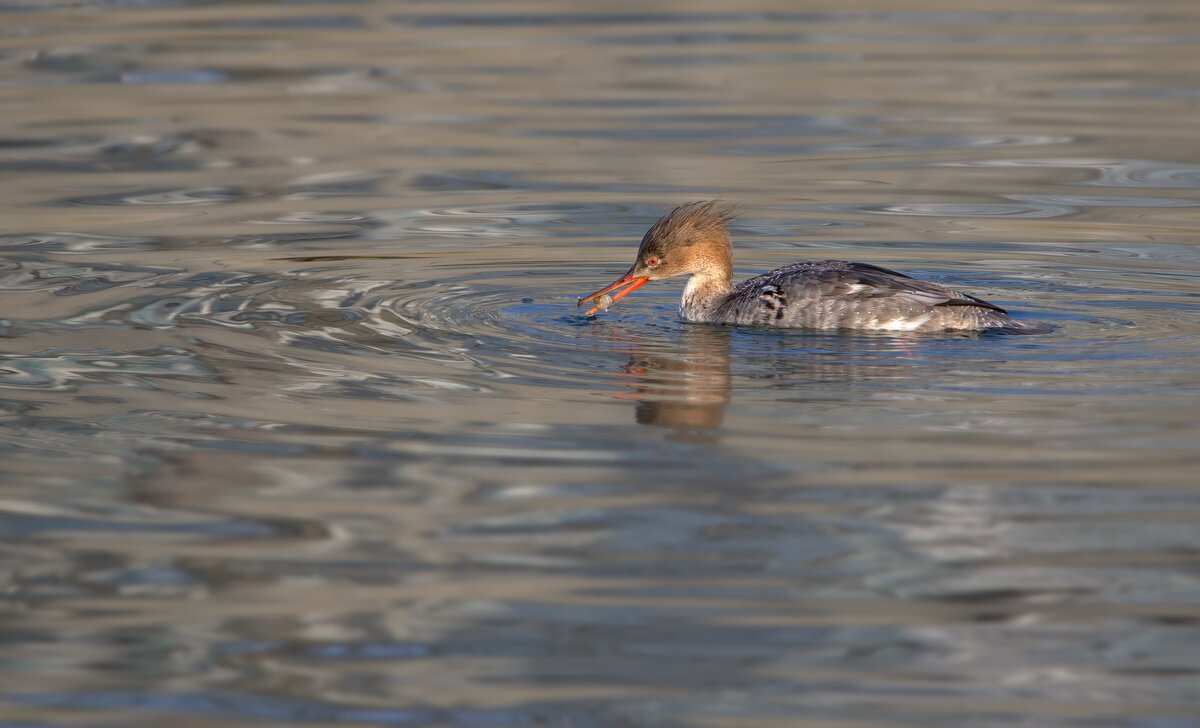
x=688 y=385
x=684 y=388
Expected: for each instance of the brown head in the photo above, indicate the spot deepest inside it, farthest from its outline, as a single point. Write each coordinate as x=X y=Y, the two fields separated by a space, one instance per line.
x=691 y=240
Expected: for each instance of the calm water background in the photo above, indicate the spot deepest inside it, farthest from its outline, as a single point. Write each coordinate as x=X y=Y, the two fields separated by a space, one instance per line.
x=299 y=424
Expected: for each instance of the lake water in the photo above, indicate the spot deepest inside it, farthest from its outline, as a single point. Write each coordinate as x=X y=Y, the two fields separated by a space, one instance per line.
x=301 y=425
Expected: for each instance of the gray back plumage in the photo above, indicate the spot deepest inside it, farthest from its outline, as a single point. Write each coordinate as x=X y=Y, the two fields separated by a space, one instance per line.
x=840 y=294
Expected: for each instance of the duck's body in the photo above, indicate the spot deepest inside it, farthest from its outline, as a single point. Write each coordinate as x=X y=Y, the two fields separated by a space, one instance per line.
x=828 y=294
x=836 y=294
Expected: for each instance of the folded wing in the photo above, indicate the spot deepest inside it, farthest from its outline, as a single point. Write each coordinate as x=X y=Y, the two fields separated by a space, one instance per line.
x=785 y=293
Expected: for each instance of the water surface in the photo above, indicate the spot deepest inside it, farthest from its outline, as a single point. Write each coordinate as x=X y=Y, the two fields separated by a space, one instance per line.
x=299 y=423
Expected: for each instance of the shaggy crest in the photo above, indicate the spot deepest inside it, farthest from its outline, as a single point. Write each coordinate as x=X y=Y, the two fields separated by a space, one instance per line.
x=691 y=223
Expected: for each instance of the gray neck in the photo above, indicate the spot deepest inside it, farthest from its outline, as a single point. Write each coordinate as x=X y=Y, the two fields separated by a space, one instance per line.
x=702 y=296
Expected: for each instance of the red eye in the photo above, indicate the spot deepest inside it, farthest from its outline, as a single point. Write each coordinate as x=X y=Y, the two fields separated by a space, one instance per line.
x=652 y=261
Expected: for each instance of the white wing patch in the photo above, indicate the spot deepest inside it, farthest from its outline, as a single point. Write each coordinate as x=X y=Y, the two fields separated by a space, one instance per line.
x=905 y=324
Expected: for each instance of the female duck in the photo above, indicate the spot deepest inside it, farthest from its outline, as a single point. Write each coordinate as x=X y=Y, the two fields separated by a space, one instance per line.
x=830 y=294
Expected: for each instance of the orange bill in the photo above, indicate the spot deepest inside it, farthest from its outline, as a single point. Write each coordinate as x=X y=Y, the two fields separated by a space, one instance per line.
x=628 y=281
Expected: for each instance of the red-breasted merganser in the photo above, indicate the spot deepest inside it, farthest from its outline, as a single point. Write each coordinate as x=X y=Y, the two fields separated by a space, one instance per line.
x=830 y=294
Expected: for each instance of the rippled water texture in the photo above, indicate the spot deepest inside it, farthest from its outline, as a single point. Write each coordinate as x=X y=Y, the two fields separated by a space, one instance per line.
x=299 y=424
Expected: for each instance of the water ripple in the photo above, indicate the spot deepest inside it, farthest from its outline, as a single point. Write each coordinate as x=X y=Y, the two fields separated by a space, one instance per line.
x=186 y=196
x=1108 y=172
x=62 y=371
x=955 y=141
x=74 y=243
x=72 y=280
x=958 y=209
